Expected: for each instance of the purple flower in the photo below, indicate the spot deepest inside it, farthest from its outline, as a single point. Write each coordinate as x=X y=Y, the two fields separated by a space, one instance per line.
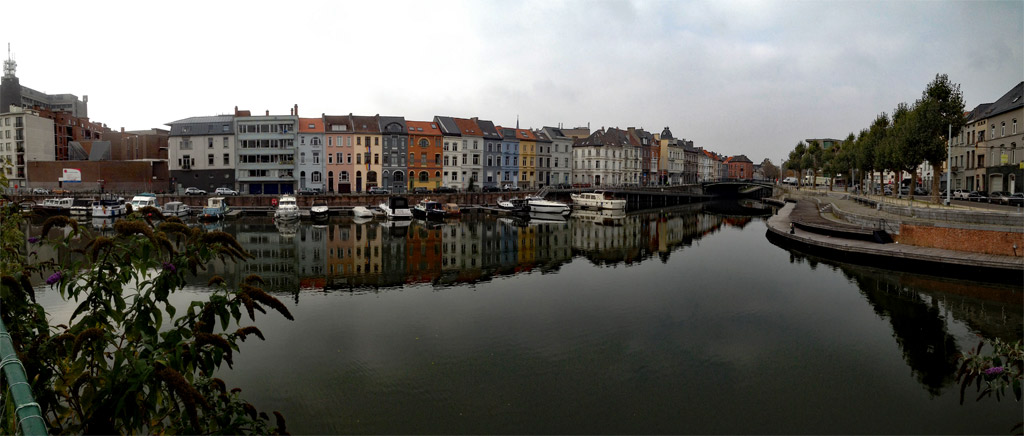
x=33 y=240
x=994 y=370
x=53 y=278
x=169 y=267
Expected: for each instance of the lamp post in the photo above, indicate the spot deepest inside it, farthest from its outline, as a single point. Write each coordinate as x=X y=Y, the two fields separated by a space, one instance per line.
x=949 y=162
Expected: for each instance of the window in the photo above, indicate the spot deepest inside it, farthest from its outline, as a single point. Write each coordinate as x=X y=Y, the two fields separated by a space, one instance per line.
x=209 y=159
x=227 y=159
x=209 y=142
x=316 y=177
x=302 y=158
x=348 y=157
x=359 y=140
x=359 y=158
x=316 y=157
x=424 y=142
x=343 y=176
x=437 y=158
x=376 y=158
x=1014 y=132
x=424 y=176
x=225 y=141
x=330 y=142
x=330 y=158
x=476 y=159
x=1002 y=129
x=376 y=141
x=337 y=157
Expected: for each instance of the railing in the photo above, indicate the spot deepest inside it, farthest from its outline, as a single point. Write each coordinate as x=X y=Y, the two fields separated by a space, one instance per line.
x=27 y=412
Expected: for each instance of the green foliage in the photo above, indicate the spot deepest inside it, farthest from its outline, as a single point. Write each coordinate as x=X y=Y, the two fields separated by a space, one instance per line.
x=992 y=373
x=128 y=361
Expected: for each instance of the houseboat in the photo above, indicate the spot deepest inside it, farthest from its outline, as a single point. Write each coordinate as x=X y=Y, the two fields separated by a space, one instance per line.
x=428 y=209
x=176 y=208
x=108 y=206
x=287 y=208
x=396 y=208
x=598 y=200
x=215 y=210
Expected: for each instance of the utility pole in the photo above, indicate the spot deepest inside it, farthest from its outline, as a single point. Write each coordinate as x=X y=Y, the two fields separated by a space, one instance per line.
x=949 y=162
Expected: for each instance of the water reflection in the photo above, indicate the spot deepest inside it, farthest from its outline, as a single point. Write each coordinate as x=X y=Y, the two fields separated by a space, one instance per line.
x=919 y=309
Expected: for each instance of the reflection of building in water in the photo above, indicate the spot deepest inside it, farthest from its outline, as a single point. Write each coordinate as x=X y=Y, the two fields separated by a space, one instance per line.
x=423 y=252
x=553 y=242
x=460 y=251
x=273 y=251
x=312 y=250
x=392 y=255
x=635 y=237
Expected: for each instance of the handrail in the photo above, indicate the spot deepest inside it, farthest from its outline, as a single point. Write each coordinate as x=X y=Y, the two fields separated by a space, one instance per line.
x=27 y=411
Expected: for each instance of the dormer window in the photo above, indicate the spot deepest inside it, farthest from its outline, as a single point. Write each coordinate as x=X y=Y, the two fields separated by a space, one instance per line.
x=310 y=126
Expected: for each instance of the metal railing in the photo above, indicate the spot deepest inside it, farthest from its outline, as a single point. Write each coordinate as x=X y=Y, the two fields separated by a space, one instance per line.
x=27 y=413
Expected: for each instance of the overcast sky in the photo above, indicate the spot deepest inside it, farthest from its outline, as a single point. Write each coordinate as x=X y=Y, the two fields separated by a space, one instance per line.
x=734 y=77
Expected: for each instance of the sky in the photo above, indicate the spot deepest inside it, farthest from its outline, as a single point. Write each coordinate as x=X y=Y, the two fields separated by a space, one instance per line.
x=735 y=77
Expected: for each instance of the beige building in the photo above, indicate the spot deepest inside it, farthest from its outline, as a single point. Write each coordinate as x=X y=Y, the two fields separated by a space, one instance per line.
x=987 y=156
x=24 y=137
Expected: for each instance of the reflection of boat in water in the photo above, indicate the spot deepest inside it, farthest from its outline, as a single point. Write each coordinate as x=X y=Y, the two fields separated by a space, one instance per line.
x=363 y=219
x=606 y=217
x=287 y=227
x=452 y=209
x=103 y=224
x=542 y=217
x=598 y=200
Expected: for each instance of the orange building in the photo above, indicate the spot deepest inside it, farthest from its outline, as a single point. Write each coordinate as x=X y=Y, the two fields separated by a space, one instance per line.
x=425 y=151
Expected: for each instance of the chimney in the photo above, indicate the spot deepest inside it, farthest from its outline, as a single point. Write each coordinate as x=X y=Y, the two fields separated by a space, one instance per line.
x=268 y=112
x=296 y=109
x=122 y=130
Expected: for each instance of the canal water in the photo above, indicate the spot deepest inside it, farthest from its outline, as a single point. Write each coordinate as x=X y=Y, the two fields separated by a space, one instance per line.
x=682 y=320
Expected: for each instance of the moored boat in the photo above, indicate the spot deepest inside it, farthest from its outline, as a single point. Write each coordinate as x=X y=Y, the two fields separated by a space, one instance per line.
x=216 y=208
x=452 y=209
x=81 y=207
x=428 y=209
x=396 y=208
x=287 y=208
x=176 y=208
x=362 y=212
x=540 y=205
x=319 y=211
x=108 y=206
x=54 y=206
x=144 y=199
x=597 y=200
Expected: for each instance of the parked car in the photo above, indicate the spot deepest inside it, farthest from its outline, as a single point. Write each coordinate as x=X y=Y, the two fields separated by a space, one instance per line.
x=309 y=191
x=999 y=197
x=509 y=188
x=491 y=189
x=960 y=194
x=789 y=181
x=192 y=190
x=887 y=190
x=420 y=190
x=225 y=191
x=976 y=196
x=378 y=190
x=1017 y=199
x=40 y=191
x=445 y=190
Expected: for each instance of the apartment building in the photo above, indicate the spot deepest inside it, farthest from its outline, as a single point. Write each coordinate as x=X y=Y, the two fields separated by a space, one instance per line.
x=313 y=154
x=266 y=153
x=201 y=153
x=394 y=152
x=340 y=166
x=425 y=154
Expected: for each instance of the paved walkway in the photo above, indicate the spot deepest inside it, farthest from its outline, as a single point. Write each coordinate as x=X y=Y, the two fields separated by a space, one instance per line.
x=780 y=225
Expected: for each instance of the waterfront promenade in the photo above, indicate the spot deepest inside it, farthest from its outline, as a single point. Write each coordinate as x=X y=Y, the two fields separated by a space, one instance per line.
x=984 y=258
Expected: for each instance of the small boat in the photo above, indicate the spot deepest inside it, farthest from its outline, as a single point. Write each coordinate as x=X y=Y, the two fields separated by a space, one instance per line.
x=362 y=212
x=287 y=208
x=54 y=206
x=215 y=210
x=540 y=205
x=319 y=211
x=546 y=218
x=505 y=204
x=176 y=208
x=397 y=208
x=428 y=209
x=597 y=200
x=144 y=199
x=81 y=207
x=452 y=209
x=108 y=206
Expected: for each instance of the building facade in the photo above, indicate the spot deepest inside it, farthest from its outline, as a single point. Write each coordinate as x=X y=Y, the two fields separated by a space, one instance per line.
x=425 y=154
x=394 y=152
x=201 y=153
x=313 y=155
x=266 y=153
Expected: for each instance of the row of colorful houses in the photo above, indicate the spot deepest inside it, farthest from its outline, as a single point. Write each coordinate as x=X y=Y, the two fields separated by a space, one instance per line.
x=270 y=154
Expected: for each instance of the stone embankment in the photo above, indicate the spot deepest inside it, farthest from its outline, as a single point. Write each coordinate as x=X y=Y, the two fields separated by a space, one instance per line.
x=954 y=240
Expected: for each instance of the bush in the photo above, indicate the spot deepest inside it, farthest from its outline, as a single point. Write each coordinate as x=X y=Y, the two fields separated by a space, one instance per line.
x=128 y=362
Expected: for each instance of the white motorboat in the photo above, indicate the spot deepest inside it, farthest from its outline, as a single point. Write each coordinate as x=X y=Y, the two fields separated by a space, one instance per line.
x=319 y=211
x=540 y=205
x=397 y=208
x=108 y=206
x=428 y=209
x=287 y=208
x=362 y=212
x=505 y=204
x=144 y=199
x=598 y=200
x=175 y=208
x=54 y=206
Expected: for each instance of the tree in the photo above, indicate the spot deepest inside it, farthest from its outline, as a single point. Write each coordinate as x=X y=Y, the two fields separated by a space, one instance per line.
x=812 y=161
x=874 y=151
x=795 y=161
x=771 y=172
x=117 y=366
x=843 y=157
x=941 y=106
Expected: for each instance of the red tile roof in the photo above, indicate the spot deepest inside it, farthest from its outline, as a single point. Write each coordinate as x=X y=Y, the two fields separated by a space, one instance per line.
x=311 y=125
x=468 y=127
x=428 y=128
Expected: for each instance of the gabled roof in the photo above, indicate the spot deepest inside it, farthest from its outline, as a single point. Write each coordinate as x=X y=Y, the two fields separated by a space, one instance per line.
x=202 y=126
x=428 y=128
x=447 y=125
x=468 y=127
x=976 y=114
x=365 y=124
x=507 y=133
x=1008 y=102
x=311 y=125
x=488 y=129
x=541 y=136
x=337 y=123
x=525 y=135
x=610 y=137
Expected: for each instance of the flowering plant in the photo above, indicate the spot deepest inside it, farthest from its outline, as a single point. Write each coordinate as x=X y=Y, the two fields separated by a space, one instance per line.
x=992 y=373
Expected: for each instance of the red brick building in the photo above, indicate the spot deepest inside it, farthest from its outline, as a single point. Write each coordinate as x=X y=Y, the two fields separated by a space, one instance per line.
x=740 y=168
